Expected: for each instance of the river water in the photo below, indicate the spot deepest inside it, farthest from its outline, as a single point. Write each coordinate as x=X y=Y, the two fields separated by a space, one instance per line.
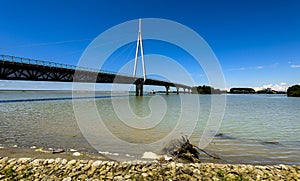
x=256 y=129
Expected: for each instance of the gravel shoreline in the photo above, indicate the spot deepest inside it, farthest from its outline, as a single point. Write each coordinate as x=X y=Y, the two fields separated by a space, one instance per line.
x=76 y=169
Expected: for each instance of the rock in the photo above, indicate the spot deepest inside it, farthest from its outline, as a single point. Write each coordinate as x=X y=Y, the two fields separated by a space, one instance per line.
x=97 y=163
x=72 y=150
x=24 y=160
x=67 y=179
x=115 y=154
x=187 y=170
x=119 y=178
x=196 y=172
x=129 y=156
x=4 y=160
x=21 y=167
x=220 y=165
x=71 y=162
x=150 y=155
x=173 y=165
x=64 y=161
x=127 y=176
x=167 y=158
x=82 y=177
x=50 y=161
x=144 y=175
x=58 y=160
x=76 y=154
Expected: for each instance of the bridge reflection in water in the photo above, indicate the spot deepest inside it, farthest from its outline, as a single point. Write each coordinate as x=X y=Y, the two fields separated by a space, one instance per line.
x=18 y=68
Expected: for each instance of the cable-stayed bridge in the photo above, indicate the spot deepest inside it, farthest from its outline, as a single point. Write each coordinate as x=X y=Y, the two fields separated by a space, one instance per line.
x=19 y=68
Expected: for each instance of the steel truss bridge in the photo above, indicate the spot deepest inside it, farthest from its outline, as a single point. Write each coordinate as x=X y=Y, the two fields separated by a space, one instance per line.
x=18 y=68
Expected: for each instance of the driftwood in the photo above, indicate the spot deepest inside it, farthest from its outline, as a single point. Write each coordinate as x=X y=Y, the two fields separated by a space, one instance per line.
x=182 y=150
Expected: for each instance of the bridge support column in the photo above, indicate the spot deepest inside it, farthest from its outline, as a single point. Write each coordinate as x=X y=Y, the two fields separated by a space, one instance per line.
x=139 y=89
x=177 y=90
x=184 y=90
x=167 y=89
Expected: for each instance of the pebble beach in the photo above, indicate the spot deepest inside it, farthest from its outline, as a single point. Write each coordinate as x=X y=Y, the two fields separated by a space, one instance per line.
x=39 y=164
x=76 y=169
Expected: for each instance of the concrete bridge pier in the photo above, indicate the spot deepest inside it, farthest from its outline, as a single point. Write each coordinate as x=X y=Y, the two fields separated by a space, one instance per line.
x=167 y=89
x=177 y=90
x=139 y=89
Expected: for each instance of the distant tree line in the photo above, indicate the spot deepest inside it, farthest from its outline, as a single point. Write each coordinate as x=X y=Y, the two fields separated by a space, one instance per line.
x=293 y=91
x=242 y=91
x=252 y=91
x=206 y=90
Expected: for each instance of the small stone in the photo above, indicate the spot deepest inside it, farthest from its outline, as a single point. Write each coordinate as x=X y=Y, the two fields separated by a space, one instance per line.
x=50 y=161
x=67 y=179
x=76 y=154
x=58 y=160
x=4 y=160
x=196 y=172
x=82 y=177
x=150 y=155
x=71 y=162
x=91 y=171
x=72 y=150
x=33 y=147
x=167 y=158
x=103 y=172
x=187 y=170
x=173 y=165
x=11 y=160
x=21 y=167
x=24 y=160
x=144 y=169
x=64 y=161
x=179 y=165
x=97 y=163
x=35 y=162
x=15 y=146
x=144 y=174
x=120 y=178
x=127 y=176
x=284 y=167
x=220 y=165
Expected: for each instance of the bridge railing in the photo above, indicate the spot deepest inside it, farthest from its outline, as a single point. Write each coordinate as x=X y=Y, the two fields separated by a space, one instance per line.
x=54 y=64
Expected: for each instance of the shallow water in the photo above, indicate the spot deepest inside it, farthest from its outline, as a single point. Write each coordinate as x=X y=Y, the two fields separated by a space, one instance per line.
x=257 y=129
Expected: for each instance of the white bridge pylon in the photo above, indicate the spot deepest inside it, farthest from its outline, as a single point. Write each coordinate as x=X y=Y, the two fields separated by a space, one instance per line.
x=139 y=45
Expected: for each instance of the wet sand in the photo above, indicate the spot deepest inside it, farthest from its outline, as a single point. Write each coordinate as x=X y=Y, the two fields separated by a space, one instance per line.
x=40 y=153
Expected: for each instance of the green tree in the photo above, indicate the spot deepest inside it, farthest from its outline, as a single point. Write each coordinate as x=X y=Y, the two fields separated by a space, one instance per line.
x=293 y=91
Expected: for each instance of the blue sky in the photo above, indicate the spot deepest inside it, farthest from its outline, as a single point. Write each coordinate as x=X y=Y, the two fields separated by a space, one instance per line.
x=256 y=42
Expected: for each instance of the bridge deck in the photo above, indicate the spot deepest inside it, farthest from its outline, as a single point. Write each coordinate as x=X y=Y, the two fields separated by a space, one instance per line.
x=16 y=68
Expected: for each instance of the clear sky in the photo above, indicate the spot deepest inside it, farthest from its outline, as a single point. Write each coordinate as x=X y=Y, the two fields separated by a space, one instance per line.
x=257 y=42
